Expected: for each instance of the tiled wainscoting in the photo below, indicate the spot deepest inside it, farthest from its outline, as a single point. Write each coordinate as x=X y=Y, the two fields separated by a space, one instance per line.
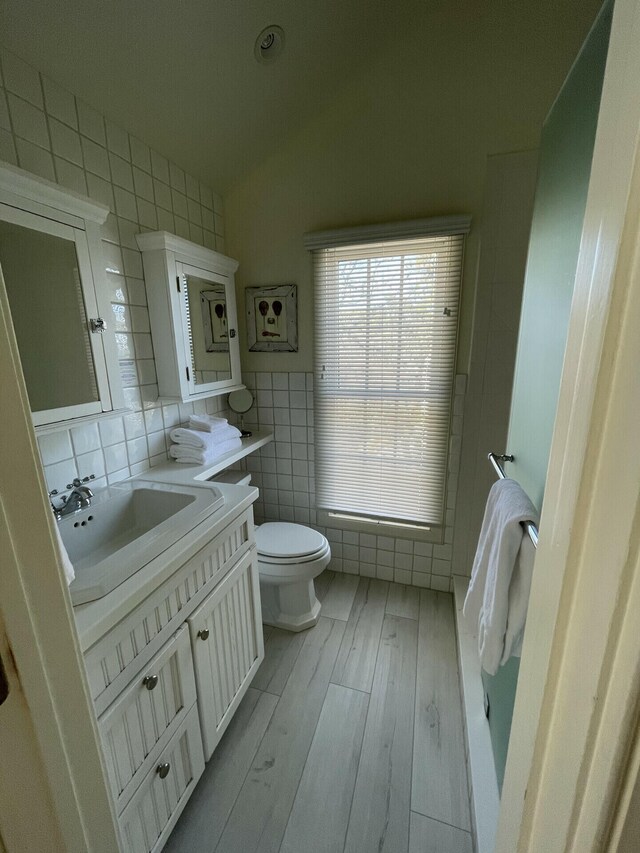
x=48 y=131
x=119 y=447
x=284 y=472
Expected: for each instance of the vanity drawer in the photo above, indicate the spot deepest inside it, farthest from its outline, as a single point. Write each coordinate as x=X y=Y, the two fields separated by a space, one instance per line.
x=153 y=810
x=130 y=645
x=139 y=724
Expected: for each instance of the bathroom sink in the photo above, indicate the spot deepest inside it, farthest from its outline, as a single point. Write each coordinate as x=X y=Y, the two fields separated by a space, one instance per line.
x=126 y=527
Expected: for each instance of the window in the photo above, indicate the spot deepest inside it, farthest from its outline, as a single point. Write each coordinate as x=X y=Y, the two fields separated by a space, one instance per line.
x=386 y=330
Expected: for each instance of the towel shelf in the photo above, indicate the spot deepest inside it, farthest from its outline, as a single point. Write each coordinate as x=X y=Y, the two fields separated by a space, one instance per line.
x=496 y=460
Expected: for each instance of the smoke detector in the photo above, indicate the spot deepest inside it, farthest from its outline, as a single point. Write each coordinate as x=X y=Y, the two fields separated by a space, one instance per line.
x=269 y=44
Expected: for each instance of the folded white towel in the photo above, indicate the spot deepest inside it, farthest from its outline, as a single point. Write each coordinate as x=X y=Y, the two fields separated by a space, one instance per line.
x=203 y=440
x=67 y=565
x=194 y=456
x=207 y=423
x=488 y=598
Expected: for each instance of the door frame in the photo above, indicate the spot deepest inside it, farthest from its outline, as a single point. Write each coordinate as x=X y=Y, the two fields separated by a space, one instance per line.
x=35 y=607
x=573 y=745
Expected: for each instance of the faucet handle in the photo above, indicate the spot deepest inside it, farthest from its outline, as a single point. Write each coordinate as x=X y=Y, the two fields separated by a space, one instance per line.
x=78 y=482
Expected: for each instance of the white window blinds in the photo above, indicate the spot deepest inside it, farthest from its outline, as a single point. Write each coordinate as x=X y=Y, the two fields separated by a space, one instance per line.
x=386 y=330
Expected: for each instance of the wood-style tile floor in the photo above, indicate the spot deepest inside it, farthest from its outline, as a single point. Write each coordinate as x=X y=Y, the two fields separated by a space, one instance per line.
x=349 y=739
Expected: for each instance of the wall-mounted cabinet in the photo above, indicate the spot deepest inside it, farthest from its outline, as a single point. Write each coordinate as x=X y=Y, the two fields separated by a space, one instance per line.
x=53 y=274
x=192 y=309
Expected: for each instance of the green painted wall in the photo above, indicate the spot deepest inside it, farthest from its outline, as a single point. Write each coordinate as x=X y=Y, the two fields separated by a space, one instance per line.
x=501 y=690
x=561 y=194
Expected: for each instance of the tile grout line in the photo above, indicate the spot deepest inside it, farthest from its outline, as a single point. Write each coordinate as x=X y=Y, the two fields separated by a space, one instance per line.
x=244 y=778
x=348 y=687
x=304 y=766
x=264 y=734
x=443 y=822
x=231 y=810
x=355 y=778
x=364 y=728
x=415 y=715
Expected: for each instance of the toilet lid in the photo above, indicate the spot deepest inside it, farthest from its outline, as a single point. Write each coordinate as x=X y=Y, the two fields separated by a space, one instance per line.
x=282 y=539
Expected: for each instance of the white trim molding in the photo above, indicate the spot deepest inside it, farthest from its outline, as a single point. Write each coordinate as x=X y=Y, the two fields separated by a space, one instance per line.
x=431 y=227
x=25 y=185
x=186 y=251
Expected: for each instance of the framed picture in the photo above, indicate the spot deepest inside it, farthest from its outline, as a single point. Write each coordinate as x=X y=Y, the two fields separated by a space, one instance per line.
x=214 y=319
x=272 y=318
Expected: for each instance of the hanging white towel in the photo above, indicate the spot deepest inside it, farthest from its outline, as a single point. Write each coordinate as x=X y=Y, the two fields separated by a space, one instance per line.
x=67 y=565
x=519 y=590
x=488 y=598
x=203 y=440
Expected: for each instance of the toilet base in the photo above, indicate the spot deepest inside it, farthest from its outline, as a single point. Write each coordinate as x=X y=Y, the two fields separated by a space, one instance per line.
x=291 y=606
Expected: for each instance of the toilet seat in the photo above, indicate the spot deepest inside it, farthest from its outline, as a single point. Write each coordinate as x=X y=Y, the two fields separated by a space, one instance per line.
x=289 y=561
x=284 y=542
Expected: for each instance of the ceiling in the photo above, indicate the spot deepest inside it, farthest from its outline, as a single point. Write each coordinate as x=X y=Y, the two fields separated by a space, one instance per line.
x=183 y=77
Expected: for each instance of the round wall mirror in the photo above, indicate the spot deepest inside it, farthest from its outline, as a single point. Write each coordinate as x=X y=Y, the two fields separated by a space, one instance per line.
x=241 y=401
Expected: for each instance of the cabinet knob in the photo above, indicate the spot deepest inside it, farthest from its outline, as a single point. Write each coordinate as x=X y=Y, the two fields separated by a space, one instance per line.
x=163 y=770
x=150 y=681
x=204 y=634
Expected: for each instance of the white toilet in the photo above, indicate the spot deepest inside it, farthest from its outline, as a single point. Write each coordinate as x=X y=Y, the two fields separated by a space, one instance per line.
x=290 y=556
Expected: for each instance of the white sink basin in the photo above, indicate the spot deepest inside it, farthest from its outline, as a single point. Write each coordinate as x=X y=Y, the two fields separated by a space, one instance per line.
x=126 y=527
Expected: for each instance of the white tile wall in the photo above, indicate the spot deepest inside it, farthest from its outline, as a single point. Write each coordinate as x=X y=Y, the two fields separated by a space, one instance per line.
x=284 y=473
x=47 y=130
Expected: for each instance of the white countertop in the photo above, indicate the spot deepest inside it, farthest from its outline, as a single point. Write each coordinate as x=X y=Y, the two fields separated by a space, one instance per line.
x=95 y=618
x=177 y=472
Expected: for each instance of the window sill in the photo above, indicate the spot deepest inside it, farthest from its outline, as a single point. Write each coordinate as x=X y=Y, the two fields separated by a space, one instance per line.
x=434 y=534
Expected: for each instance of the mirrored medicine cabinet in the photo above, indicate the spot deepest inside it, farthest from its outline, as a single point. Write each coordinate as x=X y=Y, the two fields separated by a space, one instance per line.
x=192 y=310
x=52 y=268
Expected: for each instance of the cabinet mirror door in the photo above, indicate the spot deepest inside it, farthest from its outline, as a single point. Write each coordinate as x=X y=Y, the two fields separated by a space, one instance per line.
x=47 y=276
x=211 y=337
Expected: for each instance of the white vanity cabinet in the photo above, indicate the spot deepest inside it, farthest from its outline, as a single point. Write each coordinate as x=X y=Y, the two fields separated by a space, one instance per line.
x=169 y=675
x=192 y=310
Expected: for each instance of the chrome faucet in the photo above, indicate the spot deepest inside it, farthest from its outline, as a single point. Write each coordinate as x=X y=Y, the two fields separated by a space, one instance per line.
x=78 y=498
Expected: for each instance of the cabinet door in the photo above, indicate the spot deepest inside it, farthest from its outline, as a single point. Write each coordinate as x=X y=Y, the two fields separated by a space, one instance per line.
x=211 y=350
x=139 y=724
x=228 y=647
x=47 y=269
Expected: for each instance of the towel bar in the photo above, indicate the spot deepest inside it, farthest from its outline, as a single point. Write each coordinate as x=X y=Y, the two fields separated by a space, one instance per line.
x=496 y=459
